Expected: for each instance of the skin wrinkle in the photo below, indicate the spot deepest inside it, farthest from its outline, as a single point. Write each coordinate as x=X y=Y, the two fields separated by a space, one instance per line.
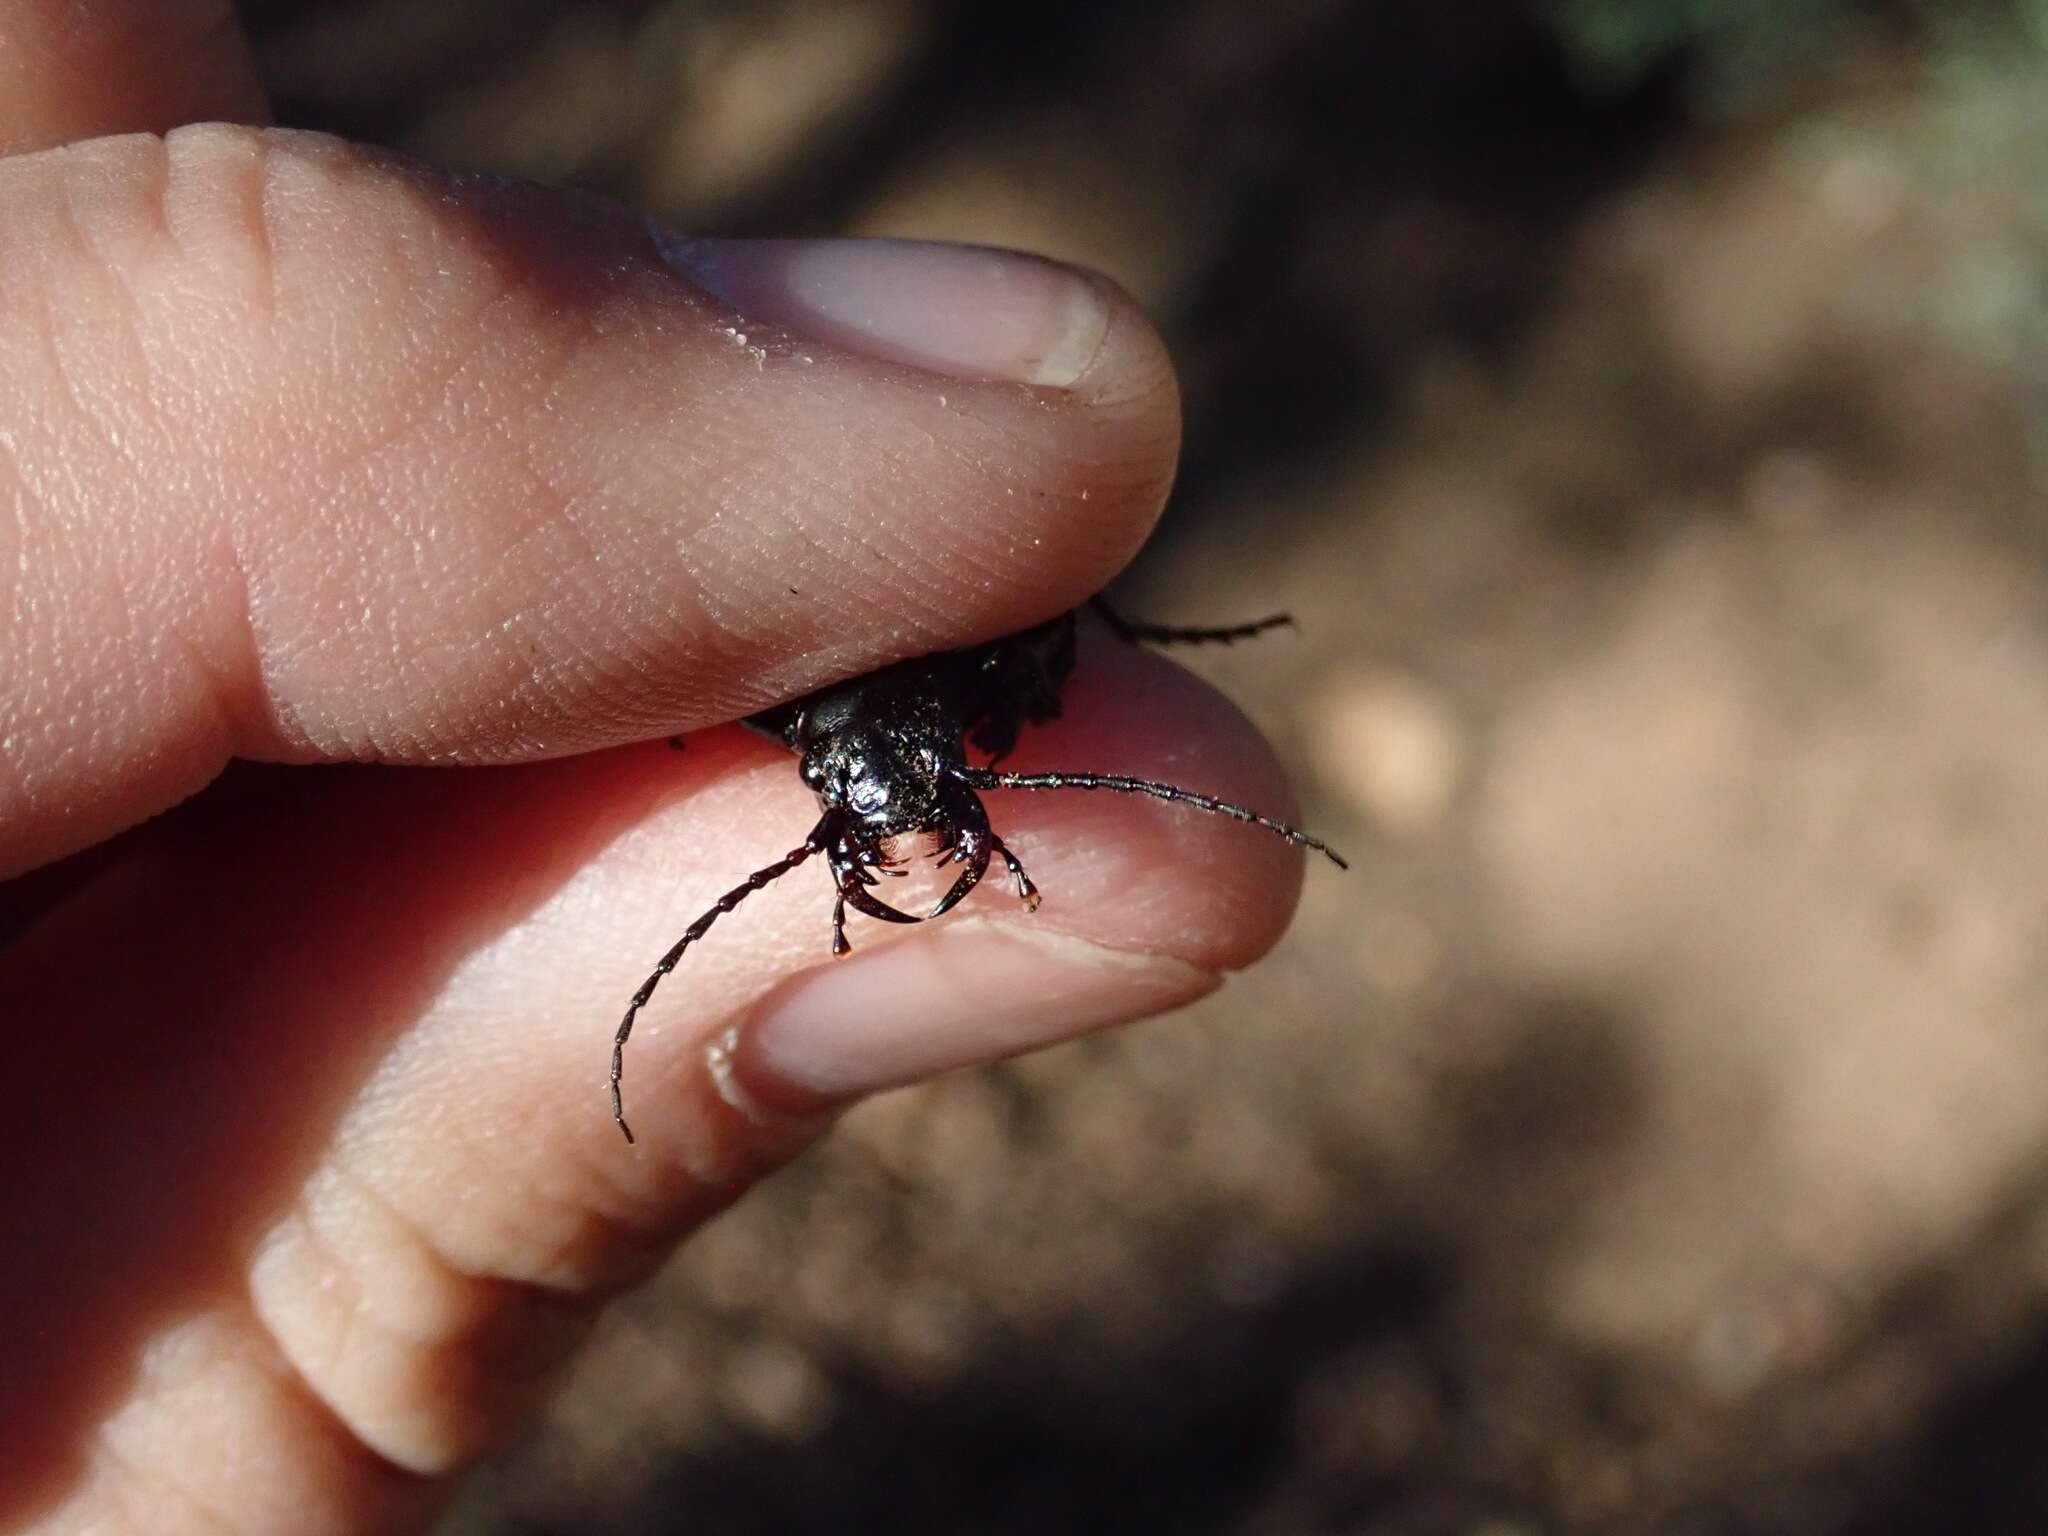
x=255 y=707
x=599 y=1218
x=259 y=189
x=726 y=641
x=641 y=656
x=914 y=561
x=53 y=489
x=218 y=725
x=161 y=1477
x=919 y=565
x=632 y=658
x=487 y=1296
x=298 y=1225
x=583 y=660
x=159 y=167
x=169 y=170
x=731 y=1141
x=914 y=565
x=413 y=418
x=501 y=1296
x=562 y=514
x=1104 y=479
x=467 y=1307
x=210 y=201
x=139 y=643
x=409 y=413
x=927 y=573
x=1020 y=568
x=134 y=1489
x=428 y=362
x=261 y=1362
x=350 y=1450
x=601 y=1214
x=50 y=332
x=122 y=280
x=639 y=638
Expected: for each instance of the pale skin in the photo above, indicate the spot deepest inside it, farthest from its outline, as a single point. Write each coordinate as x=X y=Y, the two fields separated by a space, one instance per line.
x=309 y=454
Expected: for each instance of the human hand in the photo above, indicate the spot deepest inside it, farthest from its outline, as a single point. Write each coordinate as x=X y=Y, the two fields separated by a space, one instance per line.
x=317 y=456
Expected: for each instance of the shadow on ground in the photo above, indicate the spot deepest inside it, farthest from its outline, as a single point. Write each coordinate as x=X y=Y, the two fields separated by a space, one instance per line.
x=1645 y=1135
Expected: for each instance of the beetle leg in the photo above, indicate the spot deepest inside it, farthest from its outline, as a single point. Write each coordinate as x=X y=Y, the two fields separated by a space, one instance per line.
x=975 y=850
x=1019 y=683
x=858 y=898
x=852 y=874
x=966 y=828
x=1026 y=891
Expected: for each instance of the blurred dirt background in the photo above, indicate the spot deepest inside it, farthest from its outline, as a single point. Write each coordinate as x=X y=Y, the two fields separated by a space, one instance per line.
x=1640 y=403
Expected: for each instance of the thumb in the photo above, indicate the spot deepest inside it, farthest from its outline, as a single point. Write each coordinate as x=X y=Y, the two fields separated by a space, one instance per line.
x=313 y=452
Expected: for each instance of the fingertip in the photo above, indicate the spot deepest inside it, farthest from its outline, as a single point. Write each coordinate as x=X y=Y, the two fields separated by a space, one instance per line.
x=1145 y=905
x=975 y=990
x=1048 y=391
x=1145 y=875
x=969 y=312
x=1130 y=370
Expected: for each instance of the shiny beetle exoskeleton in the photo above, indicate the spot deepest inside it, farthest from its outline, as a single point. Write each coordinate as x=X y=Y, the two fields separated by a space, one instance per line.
x=886 y=755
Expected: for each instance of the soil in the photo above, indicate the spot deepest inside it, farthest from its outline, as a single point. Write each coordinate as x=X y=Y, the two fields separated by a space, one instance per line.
x=1647 y=1135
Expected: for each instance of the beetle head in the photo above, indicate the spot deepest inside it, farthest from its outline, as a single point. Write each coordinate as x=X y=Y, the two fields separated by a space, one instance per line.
x=887 y=782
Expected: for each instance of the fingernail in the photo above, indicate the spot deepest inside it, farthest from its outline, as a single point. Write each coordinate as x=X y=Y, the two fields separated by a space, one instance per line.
x=970 y=992
x=962 y=310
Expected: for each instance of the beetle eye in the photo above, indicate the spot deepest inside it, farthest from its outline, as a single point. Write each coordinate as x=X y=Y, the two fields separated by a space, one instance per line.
x=813 y=773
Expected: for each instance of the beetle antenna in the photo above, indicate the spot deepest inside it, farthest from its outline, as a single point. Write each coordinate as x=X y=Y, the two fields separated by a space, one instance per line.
x=990 y=778
x=815 y=843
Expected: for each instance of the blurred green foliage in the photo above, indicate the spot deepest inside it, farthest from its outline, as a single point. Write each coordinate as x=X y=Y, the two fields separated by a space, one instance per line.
x=1979 y=159
x=1736 y=46
x=1968 y=149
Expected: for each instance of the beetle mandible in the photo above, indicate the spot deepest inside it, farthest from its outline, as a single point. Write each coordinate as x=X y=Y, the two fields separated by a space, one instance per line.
x=886 y=756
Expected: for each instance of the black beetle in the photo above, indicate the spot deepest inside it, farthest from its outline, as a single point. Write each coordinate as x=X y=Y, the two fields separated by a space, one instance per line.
x=886 y=756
